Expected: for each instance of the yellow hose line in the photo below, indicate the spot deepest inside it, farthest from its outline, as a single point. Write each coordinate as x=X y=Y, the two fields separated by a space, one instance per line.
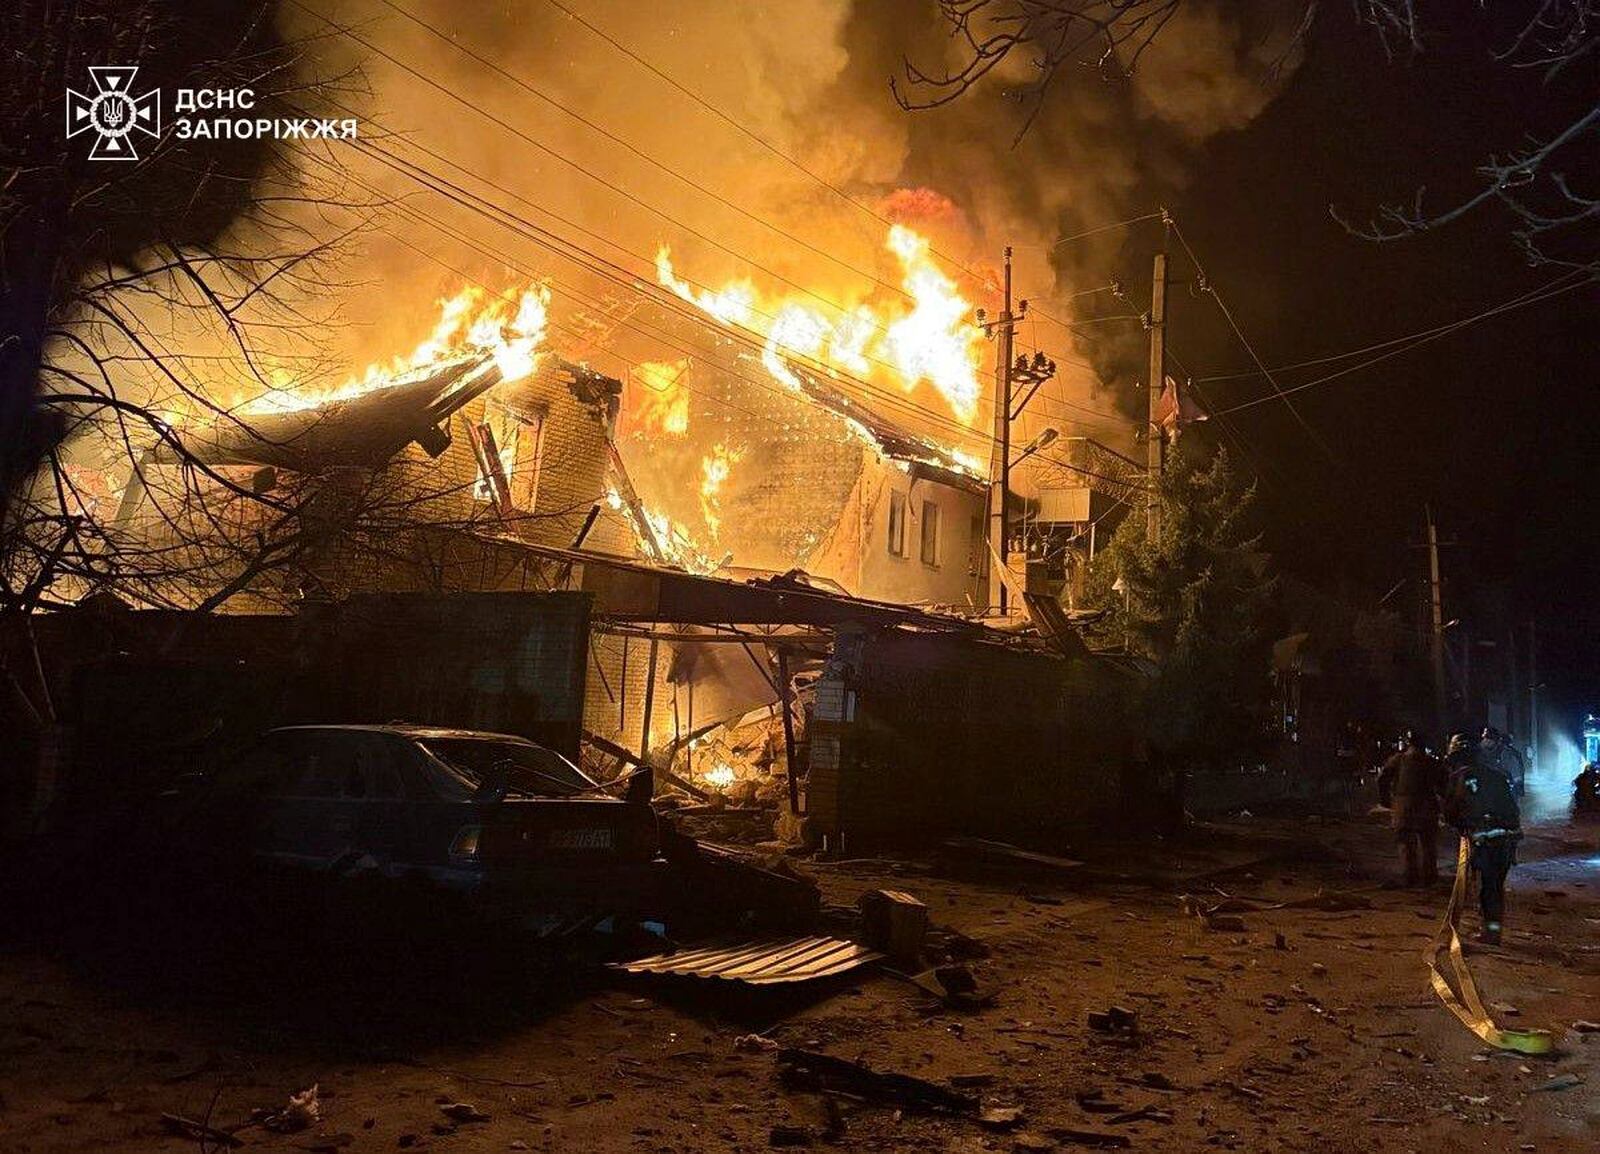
x=1468 y=1006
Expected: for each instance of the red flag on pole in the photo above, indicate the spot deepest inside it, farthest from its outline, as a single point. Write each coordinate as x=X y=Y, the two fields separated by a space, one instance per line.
x=1177 y=407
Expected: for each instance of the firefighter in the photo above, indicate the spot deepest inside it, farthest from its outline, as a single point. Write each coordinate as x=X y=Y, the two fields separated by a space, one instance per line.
x=1481 y=803
x=1586 y=792
x=1409 y=785
x=1504 y=755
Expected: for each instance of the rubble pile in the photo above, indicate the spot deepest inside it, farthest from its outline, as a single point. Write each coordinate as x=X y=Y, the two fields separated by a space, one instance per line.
x=738 y=765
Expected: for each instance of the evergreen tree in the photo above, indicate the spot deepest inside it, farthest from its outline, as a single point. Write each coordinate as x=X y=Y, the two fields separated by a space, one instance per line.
x=1196 y=601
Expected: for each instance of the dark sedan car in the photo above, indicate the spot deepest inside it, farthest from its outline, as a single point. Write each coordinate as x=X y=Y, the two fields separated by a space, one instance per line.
x=514 y=828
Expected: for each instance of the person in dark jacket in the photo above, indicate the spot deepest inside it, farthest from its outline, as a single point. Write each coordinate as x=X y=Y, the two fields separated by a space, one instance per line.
x=1410 y=784
x=1502 y=752
x=1586 y=792
x=1481 y=803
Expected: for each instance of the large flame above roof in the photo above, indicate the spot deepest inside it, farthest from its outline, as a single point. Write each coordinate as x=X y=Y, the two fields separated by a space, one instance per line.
x=510 y=326
x=930 y=338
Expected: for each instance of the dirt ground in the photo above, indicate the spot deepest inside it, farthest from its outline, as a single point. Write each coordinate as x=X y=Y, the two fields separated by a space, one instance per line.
x=1307 y=1030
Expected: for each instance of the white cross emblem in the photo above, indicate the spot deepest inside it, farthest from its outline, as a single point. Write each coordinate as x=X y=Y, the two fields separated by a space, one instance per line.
x=113 y=113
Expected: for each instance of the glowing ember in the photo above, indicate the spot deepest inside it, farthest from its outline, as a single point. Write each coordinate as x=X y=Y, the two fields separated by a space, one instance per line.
x=510 y=327
x=714 y=470
x=932 y=341
x=718 y=776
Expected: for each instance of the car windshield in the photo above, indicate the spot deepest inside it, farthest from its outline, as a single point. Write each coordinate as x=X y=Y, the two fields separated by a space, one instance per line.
x=526 y=769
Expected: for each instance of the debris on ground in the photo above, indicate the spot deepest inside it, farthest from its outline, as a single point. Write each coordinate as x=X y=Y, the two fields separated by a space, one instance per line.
x=809 y=1070
x=952 y=985
x=198 y=1131
x=463 y=1112
x=894 y=923
x=755 y=1044
x=1213 y=916
x=1114 y=1020
x=1000 y=1117
x=1096 y=1139
x=999 y=853
x=1558 y=1083
x=302 y=1111
x=758 y=963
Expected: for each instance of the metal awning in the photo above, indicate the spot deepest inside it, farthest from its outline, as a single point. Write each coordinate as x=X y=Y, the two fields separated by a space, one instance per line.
x=762 y=963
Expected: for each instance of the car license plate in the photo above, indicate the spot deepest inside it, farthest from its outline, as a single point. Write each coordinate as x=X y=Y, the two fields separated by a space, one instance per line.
x=581 y=839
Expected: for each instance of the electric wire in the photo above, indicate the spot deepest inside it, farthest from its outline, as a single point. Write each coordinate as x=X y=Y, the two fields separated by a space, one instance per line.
x=1537 y=297
x=697 y=318
x=619 y=190
x=1227 y=313
x=1408 y=339
x=820 y=180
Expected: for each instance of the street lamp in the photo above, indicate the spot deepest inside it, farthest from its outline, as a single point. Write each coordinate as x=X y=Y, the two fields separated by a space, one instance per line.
x=1043 y=441
x=1121 y=586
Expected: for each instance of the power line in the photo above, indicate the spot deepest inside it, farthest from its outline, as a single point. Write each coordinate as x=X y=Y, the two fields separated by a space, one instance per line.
x=1102 y=228
x=822 y=181
x=1211 y=289
x=1535 y=297
x=464 y=199
x=619 y=190
x=584 y=171
x=1448 y=326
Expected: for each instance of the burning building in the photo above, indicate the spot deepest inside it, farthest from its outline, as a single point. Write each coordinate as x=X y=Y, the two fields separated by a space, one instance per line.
x=727 y=513
x=423 y=475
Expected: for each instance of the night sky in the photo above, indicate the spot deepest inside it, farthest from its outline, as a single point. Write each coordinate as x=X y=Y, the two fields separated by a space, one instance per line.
x=1495 y=425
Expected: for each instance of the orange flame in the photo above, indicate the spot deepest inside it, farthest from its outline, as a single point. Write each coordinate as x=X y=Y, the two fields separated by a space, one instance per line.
x=509 y=326
x=715 y=468
x=663 y=398
x=932 y=340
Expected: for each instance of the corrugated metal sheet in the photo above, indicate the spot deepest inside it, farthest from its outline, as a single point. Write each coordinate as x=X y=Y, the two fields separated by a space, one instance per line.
x=760 y=963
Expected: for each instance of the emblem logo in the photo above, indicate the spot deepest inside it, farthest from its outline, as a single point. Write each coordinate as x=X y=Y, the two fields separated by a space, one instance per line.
x=113 y=113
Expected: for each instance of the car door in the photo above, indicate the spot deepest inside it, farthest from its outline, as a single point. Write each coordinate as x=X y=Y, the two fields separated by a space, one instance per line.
x=312 y=823
x=384 y=832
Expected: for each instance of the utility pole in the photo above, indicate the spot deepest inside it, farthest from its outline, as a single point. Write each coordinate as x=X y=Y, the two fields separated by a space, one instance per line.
x=1513 y=684
x=1000 y=461
x=1437 y=604
x=1158 y=382
x=1533 y=689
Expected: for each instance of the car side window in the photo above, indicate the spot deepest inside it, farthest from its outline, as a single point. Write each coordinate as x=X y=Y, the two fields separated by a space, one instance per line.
x=379 y=778
x=315 y=766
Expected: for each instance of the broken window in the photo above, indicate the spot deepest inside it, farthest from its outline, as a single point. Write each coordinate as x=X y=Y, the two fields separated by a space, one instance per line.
x=508 y=443
x=930 y=533
x=897 y=524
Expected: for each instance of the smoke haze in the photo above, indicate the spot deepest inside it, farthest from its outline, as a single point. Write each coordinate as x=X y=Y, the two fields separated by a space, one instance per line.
x=810 y=77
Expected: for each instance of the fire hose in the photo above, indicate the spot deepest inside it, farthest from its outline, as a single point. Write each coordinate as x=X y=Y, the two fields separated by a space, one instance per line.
x=1467 y=1005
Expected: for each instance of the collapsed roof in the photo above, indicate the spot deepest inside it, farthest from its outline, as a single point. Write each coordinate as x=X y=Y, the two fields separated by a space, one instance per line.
x=367 y=429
